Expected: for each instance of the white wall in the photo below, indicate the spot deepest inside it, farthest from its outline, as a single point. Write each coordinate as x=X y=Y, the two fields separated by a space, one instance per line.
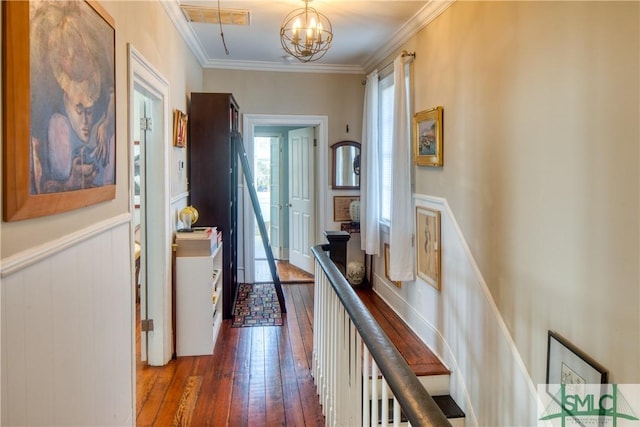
x=67 y=331
x=462 y=325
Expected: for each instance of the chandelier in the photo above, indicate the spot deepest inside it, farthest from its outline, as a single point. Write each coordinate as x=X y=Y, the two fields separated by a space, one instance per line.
x=306 y=34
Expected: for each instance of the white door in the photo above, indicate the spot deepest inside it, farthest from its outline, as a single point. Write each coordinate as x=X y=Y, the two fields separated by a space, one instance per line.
x=275 y=205
x=141 y=113
x=156 y=223
x=301 y=198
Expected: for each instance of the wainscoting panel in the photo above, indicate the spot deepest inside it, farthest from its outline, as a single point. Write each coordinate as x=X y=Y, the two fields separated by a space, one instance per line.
x=462 y=325
x=67 y=346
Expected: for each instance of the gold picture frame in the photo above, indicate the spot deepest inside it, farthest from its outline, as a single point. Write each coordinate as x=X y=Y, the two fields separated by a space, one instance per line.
x=398 y=284
x=427 y=137
x=180 y=121
x=428 y=248
x=59 y=138
x=341 y=207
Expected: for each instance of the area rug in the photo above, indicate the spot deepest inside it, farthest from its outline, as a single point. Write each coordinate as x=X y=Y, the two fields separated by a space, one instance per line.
x=256 y=305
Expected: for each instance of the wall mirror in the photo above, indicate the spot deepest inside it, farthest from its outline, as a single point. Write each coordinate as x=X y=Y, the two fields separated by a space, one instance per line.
x=346 y=165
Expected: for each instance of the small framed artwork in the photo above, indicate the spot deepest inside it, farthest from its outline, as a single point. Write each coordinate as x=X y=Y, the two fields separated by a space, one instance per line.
x=180 y=121
x=428 y=248
x=341 y=207
x=427 y=137
x=568 y=365
x=59 y=101
x=386 y=267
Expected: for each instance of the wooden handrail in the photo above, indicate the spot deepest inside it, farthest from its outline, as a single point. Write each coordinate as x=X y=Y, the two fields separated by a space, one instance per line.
x=415 y=401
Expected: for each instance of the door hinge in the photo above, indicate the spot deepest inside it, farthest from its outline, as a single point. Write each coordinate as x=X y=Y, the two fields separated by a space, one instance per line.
x=315 y=142
x=146 y=123
x=146 y=325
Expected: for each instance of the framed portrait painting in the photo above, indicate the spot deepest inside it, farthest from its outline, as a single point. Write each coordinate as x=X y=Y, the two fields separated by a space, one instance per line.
x=59 y=107
x=427 y=137
x=428 y=250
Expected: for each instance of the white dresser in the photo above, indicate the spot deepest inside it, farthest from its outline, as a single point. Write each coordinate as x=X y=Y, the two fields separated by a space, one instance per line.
x=198 y=303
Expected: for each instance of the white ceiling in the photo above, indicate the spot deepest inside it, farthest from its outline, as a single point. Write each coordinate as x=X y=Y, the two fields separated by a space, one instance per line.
x=365 y=32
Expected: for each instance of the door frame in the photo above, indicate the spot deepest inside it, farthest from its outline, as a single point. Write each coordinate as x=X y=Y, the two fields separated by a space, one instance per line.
x=158 y=253
x=279 y=136
x=249 y=122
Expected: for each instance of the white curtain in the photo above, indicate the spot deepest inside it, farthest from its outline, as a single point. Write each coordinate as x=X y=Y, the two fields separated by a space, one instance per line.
x=401 y=253
x=370 y=170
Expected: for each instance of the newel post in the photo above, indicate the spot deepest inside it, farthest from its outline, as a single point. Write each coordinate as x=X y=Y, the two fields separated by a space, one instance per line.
x=338 y=248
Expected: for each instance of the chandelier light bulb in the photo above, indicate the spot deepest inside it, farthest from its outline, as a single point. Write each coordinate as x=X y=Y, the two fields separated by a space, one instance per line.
x=306 y=34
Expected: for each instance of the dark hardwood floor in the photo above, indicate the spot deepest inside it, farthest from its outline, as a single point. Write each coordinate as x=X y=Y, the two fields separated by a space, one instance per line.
x=258 y=376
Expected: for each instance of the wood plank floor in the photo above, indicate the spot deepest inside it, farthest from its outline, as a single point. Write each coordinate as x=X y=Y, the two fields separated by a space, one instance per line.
x=258 y=376
x=287 y=272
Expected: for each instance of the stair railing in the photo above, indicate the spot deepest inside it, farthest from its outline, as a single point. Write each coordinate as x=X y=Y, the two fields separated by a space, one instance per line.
x=360 y=377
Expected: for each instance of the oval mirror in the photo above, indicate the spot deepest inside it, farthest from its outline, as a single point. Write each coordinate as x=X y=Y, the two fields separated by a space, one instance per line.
x=346 y=165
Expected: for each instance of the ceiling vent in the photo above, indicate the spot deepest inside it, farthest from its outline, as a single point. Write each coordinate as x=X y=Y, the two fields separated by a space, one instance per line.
x=208 y=15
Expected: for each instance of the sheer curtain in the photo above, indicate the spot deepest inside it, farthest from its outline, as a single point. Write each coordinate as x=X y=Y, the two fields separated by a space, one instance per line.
x=369 y=170
x=401 y=252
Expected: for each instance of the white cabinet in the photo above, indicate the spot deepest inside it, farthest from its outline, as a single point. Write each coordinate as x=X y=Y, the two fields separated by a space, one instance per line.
x=198 y=303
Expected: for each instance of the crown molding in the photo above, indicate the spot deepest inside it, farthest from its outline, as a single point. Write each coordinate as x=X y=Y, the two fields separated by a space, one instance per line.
x=283 y=67
x=421 y=19
x=172 y=7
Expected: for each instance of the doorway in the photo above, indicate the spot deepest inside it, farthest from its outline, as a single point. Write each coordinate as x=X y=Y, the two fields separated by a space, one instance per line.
x=273 y=130
x=148 y=124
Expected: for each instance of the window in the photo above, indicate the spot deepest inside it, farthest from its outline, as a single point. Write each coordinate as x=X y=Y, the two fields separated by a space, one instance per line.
x=385 y=135
x=386 y=108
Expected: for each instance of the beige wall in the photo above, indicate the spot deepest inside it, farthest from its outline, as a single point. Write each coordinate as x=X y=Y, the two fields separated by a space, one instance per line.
x=156 y=38
x=541 y=165
x=541 y=169
x=338 y=96
x=539 y=195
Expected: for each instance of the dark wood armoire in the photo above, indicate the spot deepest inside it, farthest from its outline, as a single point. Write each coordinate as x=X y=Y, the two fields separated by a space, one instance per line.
x=213 y=177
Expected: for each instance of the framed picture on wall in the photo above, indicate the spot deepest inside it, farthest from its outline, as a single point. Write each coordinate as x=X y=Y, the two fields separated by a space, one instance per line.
x=180 y=121
x=341 y=206
x=428 y=248
x=60 y=91
x=386 y=267
x=427 y=137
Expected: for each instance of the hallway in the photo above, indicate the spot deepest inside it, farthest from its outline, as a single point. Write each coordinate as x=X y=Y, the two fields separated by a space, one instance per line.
x=258 y=376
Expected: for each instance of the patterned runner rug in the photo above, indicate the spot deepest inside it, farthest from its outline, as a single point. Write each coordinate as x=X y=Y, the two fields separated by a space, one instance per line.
x=256 y=305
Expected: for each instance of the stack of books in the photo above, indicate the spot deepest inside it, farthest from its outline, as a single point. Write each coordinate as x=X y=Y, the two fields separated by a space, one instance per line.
x=200 y=241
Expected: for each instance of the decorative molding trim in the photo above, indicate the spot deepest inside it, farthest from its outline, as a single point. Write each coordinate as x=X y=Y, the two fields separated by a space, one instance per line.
x=179 y=197
x=428 y=13
x=434 y=337
x=423 y=17
x=31 y=256
x=143 y=65
x=283 y=67
x=172 y=8
x=483 y=284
